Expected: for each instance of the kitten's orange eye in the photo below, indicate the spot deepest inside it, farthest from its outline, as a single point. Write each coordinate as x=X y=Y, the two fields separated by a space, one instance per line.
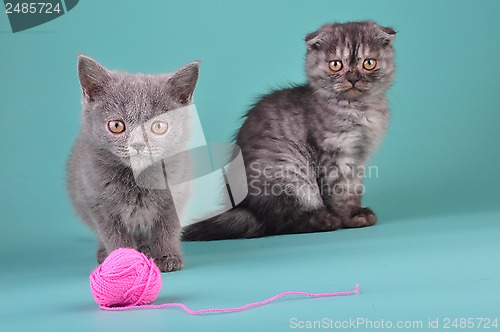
x=116 y=126
x=159 y=127
x=335 y=65
x=370 y=64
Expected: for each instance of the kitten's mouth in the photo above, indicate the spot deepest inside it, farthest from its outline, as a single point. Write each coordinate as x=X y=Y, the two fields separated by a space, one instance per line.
x=353 y=92
x=136 y=157
x=138 y=154
x=139 y=161
x=141 y=156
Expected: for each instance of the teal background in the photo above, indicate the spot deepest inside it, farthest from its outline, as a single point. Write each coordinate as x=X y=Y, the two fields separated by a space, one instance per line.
x=434 y=253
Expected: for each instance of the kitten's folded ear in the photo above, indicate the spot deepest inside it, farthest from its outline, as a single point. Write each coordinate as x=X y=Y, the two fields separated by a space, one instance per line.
x=181 y=85
x=314 y=39
x=387 y=34
x=93 y=77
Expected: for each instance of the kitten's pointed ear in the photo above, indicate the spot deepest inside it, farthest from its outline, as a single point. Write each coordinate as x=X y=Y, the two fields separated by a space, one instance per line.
x=181 y=85
x=93 y=77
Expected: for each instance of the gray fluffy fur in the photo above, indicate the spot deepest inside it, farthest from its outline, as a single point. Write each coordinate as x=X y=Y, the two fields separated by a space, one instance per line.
x=322 y=132
x=100 y=180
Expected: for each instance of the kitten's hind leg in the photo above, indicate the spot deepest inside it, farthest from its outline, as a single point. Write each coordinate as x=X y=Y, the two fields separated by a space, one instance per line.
x=323 y=220
x=298 y=208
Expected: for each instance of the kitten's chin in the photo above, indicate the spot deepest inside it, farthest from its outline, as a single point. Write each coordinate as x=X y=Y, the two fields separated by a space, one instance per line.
x=131 y=161
x=352 y=93
x=125 y=161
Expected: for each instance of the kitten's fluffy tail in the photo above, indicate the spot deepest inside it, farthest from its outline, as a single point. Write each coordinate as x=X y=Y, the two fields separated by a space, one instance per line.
x=233 y=224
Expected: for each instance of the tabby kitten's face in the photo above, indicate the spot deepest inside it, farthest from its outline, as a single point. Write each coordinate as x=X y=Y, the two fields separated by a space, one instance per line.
x=134 y=116
x=350 y=61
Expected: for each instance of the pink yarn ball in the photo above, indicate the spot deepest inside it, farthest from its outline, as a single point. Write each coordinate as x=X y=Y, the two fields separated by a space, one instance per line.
x=125 y=278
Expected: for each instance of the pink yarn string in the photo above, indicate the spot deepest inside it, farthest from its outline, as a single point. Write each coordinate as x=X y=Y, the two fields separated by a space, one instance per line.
x=222 y=310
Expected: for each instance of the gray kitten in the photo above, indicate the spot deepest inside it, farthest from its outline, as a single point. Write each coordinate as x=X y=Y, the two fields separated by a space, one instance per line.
x=305 y=147
x=120 y=111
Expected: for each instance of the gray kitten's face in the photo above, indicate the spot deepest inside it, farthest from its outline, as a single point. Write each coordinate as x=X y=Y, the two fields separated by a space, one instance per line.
x=135 y=116
x=350 y=61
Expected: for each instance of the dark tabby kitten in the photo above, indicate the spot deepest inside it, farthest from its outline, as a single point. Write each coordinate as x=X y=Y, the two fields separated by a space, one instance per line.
x=305 y=147
x=120 y=110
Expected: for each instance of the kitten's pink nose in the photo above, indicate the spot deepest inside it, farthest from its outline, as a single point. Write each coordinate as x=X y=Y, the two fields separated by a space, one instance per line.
x=138 y=146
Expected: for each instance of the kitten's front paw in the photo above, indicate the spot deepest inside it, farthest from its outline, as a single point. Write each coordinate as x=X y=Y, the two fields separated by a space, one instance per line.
x=146 y=250
x=361 y=217
x=324 y=220
x=101 y=255
x=169 y=263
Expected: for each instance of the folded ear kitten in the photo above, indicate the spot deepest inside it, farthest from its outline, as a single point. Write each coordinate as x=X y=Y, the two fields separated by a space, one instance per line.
x=305 y=147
